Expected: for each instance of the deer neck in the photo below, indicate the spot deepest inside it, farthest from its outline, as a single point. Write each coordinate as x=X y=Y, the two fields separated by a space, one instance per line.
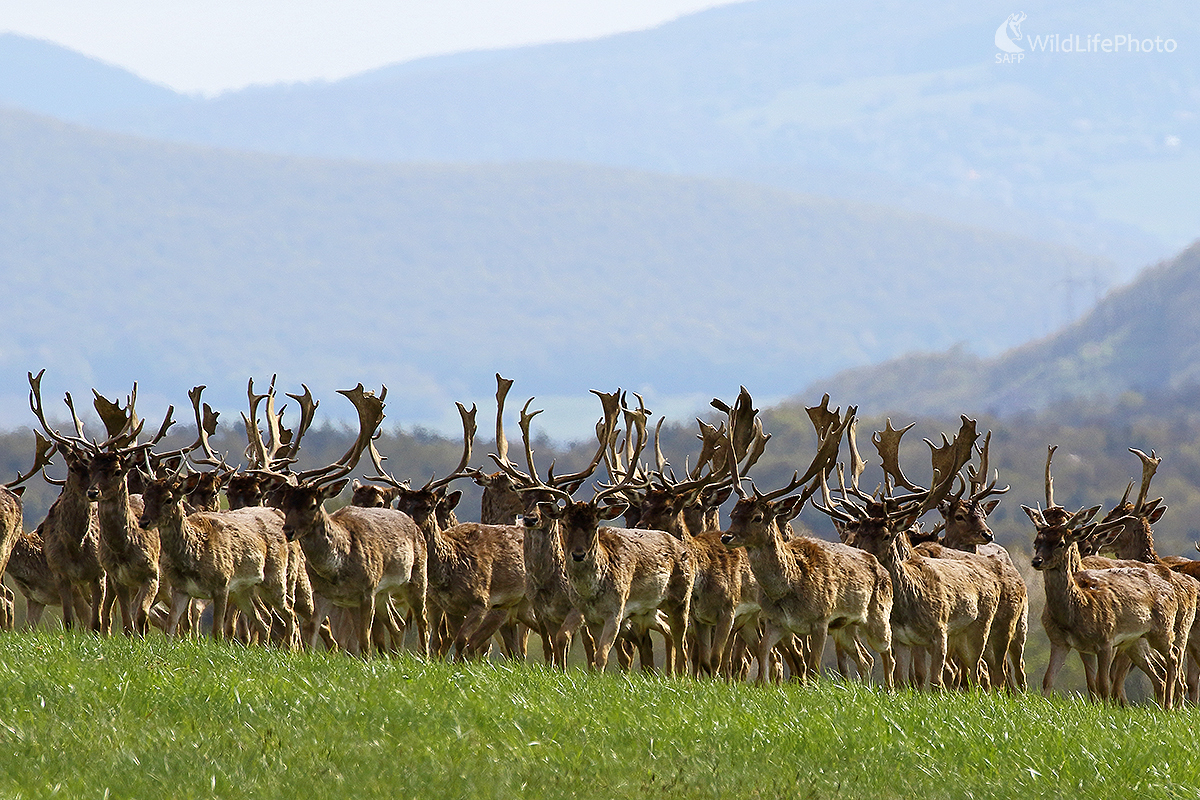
x=1137 y=543
x=955 y=539
x=439 y=552
x=774 y=566
x=1064 y=598
x=76 y=514
x=894 y=558
x=116 y=518
x=326 y=544
x=545 y=559
x=174 y=531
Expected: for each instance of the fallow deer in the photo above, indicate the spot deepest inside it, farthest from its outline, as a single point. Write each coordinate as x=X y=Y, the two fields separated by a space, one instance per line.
x=809 y=587
x=1132 y=544
x=941 y=607
x=1100 y=612
x=356 y=555
x=621 y=574
x=222 y=556
x=967 y=533
x=476 y=572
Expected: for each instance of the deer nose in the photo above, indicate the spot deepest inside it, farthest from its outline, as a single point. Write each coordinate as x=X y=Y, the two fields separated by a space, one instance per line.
x=1036 y=563
x=726 y=538
x=93 y=494
x=577 y=555
x=145 y=524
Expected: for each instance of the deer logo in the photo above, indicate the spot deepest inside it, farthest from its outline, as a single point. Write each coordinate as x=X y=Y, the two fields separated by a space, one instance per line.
x=1009 y=31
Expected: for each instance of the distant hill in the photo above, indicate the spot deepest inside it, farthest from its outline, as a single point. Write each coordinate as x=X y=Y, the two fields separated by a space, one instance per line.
x=894 y=102
x=128 y=259
x=1142 y=338
x=41 y=76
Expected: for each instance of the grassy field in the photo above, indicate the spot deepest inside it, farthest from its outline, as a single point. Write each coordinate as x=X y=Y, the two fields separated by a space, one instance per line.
x=81 y=717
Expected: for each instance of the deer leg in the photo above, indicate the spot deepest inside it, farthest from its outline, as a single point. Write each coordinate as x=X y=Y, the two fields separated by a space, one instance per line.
x=721 y=633
x=492 y=621
x=179 y=603
x=220 y=601
x=33 y=612
x=766 y=644
x=605 y=636
x=66 y=593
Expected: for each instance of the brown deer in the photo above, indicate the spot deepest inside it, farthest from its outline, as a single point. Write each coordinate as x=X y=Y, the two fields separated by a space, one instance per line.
x=222 y=556
x=128 y=554
x=968 y=536
x=809 y=587
x=501 y=503
x=1132 y=544
x=620 y=575
x=941 y=607
x=553 y=603
x=476 y=572
x=724 y=594
x=1103 y=611
x=356 y=555
x=33 y=577
x=71 y=531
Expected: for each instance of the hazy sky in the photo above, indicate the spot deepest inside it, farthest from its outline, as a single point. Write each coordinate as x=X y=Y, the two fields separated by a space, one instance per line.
x=213 y=45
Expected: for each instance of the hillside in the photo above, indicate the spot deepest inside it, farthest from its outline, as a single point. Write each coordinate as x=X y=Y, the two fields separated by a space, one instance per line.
x=894 y=102
x=134 y=260
x=1140 y=338
x=42 y=77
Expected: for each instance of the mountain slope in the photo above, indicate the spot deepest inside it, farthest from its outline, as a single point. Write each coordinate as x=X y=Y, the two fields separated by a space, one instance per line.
x=127 y=259
x=42 y=77
x=889 y=101
x=1144 y=337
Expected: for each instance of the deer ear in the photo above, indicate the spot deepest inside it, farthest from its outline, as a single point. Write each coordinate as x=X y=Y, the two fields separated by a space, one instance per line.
x=356 y=485
x=944 y=508
x=720 y=496
x=613 y=510
x=990 y=506
x=1157 y=514
x=18 y=491
x=789 y=507
x=452 y=499
x=334 y=489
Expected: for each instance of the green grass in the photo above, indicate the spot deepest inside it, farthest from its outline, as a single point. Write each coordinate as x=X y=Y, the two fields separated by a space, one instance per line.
x=81 y=717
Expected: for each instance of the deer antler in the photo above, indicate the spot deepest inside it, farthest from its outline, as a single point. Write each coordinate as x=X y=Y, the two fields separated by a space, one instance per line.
x=370 y=416
x=887 y=442
x=1149 y=467
x=35 y=404
x=469 y=429
x=44 y=451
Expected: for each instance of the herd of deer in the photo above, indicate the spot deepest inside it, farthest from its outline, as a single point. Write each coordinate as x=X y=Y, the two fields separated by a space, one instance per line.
x=946 y=607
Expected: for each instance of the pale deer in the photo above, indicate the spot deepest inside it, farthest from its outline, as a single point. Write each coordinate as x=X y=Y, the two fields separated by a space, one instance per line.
x=1132 y=544
x=968 y=536
x=222 y=556
x=942 y=608
x=356 y=555
x=808 y=587
x=1103 y=611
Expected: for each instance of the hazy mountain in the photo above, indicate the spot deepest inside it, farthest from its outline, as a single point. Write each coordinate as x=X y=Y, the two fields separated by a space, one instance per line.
x=1142 y=338
x=174 y=265
x=889 y=101
x=41 y=76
